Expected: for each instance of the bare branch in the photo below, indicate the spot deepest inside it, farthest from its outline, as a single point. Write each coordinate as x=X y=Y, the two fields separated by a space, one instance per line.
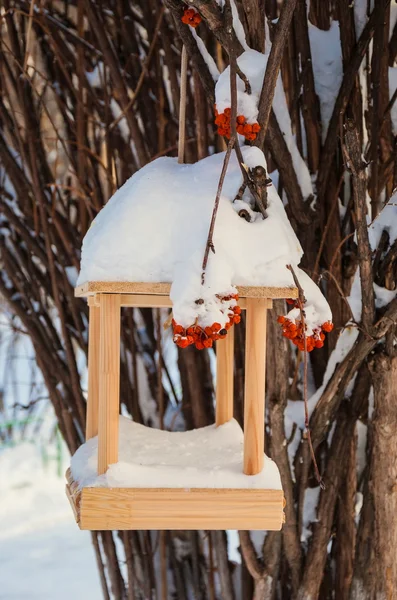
x=272 y=69
x=352 y=152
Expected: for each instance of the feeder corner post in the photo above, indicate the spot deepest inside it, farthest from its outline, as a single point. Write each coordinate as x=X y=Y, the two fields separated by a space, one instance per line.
x=254 y=386
x=93 y=369
x=224 y=379
x=109 y=380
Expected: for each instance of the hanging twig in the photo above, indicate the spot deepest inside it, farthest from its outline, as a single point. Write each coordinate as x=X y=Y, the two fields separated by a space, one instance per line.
x=210 y=245
x=243 y=78
x=307 y=435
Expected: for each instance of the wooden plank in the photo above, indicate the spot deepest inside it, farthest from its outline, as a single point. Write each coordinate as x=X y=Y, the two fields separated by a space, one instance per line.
x=109 y=381
x=129 y=287
x=254 y=389
x=93 y=373
x=179 y=508
x=145 y=301
x=149 y=301
x=224 y=378
x=122 y=287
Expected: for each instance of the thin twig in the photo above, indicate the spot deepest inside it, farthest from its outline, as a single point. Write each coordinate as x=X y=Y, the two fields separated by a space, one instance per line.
x=244 y=78
x=210 y=245
x=307 y=435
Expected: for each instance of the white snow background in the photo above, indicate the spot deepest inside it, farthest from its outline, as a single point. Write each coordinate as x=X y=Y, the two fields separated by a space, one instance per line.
x=43 y=554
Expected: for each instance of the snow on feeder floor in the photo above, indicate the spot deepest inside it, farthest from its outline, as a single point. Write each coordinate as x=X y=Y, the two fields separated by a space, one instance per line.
x=203 y=466
x=144 y=249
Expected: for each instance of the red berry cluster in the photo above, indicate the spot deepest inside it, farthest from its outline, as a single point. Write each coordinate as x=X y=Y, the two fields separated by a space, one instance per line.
x=191 y=17
x=248 y=130
x=204 y=337
x=294 y=331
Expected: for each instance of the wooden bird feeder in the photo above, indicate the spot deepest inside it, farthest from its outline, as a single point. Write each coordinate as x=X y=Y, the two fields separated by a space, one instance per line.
x=99 y=508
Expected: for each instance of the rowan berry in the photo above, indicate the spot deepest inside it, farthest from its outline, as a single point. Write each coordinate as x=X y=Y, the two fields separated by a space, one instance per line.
x=191 y=17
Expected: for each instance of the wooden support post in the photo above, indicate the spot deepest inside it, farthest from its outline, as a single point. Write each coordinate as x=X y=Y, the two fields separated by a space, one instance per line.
x=224 y=378
x=93 y=373
x=109 y=380
x=254 y=390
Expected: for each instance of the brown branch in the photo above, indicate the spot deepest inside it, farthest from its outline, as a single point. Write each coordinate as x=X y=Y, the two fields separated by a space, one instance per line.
x=215 y=20
x=352 y=152
x=378 y=64
x=272 y=69
x=249 y=554
x=341 y=103
x=317 y=554
x=282 y=157
x=310 y=102
x=277 y=394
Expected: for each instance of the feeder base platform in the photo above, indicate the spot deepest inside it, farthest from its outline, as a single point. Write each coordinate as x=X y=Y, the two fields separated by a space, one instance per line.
x=100 y=508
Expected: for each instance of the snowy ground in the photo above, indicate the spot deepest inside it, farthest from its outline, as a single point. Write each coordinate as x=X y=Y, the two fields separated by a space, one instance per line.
x=43 y=554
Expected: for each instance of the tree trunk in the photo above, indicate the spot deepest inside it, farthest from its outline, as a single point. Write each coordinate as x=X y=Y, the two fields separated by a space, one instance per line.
x=376 y=575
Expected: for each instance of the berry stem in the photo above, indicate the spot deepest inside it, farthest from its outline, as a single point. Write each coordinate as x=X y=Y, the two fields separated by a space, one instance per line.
x=210 y=244
x=233 y=97
x=301 y=302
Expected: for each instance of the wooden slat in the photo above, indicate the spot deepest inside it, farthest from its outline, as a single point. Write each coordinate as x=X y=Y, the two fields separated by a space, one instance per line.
x=145 y=301
x=224 y=378
x=128 y=287
x=171 y=508
x=121 y=287
x=254 y=389
x=93 y=373
x=109 y=381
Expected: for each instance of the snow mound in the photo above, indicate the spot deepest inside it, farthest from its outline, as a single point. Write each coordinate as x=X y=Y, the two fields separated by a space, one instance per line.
x=210 y=457
x=155 y=228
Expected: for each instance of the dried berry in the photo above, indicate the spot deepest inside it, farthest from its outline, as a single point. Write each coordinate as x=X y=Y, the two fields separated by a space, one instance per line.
x=191 y=17
x=248 y=130
x=204 y=337
x=294 y=331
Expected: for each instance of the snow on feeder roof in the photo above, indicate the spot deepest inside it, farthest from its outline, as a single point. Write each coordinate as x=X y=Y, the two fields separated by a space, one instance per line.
x=154 y=229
